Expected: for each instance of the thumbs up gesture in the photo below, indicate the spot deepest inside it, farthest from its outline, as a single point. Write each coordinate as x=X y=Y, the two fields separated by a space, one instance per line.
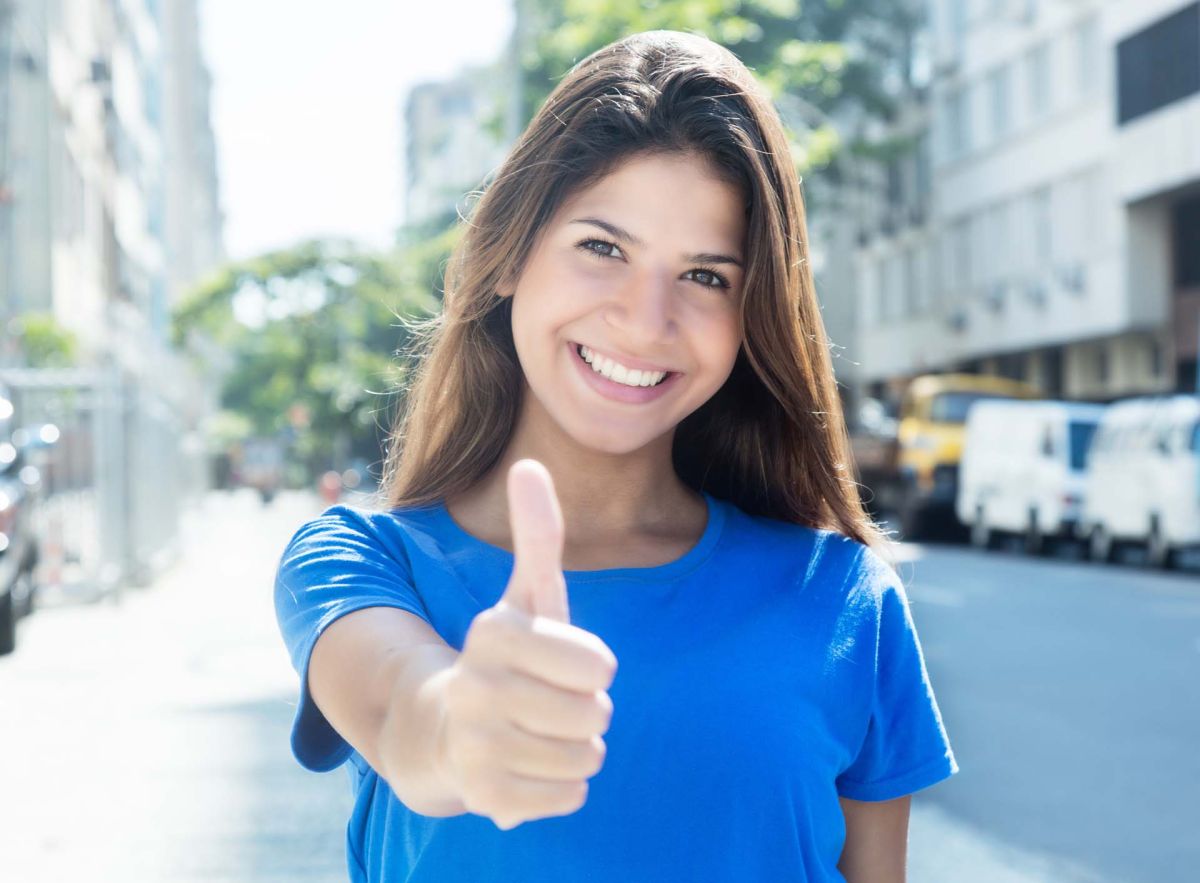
x=525 y=702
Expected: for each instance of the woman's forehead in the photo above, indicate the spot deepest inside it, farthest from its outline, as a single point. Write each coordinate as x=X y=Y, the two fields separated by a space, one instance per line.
x=652 y=195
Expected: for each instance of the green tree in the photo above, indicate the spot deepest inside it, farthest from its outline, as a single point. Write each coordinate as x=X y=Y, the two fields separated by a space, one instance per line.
x=829 y=57
x=45 y=343
x=315 y=330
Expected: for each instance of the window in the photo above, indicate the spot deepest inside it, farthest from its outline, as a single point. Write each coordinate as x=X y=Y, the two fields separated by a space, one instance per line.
x=1185 y=222
x=1102 y=364
x=1155 y=352
x=891 y=288
x=912 y=292
x=1093 y=218
x=869 y=282
x=1081 y=436
x=1087 y=55
x=1159 y=65
x=1037 y=64
x=978 y=250
x=999 y=242
x=958 y=22
x=894 y=184
x=922 y=175
x=957 y=123
x=998 y=95
x=952 y=407
x=960 y=257
x=1042 y=227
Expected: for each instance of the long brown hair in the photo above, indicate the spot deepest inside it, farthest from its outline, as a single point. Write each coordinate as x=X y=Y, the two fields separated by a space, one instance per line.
x=773 y=439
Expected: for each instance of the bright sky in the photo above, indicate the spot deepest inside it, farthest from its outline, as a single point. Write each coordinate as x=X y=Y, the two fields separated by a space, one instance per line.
x=306 y=107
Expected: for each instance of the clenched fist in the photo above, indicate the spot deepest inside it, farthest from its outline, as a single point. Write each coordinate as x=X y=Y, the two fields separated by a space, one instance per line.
x=525 y=703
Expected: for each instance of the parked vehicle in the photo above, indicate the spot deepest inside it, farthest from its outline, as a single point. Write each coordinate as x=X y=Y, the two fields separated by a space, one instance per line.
x=929 y=444
x=1022 y=470
x=874 y=449
x=261 y=466
x=1143 y=484
x=20 y=486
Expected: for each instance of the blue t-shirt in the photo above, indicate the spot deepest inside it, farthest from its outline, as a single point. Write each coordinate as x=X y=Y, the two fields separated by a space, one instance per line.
x=769 y=670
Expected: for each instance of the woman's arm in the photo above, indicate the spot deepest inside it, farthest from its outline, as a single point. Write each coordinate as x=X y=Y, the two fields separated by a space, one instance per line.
x=374 y=676
x=876 y=847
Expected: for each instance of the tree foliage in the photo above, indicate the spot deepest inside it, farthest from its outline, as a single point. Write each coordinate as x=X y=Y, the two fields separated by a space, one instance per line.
x=313 y=332
x=820 y=59
x=44 y=342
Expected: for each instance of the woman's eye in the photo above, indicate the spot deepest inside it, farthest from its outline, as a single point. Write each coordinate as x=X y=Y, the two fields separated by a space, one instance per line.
x=601 y=247
x=709 y=278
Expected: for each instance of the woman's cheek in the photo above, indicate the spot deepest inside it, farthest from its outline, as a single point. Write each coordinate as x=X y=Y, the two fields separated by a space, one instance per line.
x=595 y=280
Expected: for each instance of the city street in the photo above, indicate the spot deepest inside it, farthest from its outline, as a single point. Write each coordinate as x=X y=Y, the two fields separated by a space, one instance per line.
x=146 y=738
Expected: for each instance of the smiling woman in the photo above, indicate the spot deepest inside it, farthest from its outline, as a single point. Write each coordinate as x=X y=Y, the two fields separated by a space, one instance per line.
x=622 y=445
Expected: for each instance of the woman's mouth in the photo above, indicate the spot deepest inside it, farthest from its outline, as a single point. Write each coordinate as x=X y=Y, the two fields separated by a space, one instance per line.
x=619 y=382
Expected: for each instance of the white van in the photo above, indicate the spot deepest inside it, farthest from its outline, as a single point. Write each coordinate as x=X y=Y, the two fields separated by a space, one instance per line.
x=1144 y=478
x=1022 y=469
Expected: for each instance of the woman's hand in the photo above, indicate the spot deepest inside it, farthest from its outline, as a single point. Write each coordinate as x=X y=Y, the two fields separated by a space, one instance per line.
x=525 y=703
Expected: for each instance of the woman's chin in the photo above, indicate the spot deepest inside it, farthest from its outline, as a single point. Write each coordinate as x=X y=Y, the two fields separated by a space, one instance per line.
x=613 y=443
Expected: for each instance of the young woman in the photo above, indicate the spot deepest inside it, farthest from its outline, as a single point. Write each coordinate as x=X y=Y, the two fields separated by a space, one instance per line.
x=620 y=618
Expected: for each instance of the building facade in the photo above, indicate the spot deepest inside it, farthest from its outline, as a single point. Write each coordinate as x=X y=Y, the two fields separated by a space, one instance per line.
x=194 y=218
x=108 y=211
x=1064 y=165
x=455 y=133
x=110 y=188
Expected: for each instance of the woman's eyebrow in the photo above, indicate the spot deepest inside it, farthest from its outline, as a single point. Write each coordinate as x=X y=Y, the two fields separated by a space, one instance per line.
x=625 y=236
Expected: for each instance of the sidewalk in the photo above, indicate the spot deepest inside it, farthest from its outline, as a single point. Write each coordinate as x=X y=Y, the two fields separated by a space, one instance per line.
x=145 y=739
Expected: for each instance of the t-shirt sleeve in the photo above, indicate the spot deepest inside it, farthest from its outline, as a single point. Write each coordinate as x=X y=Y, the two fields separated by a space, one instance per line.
x=335 y=564
x=906 y=747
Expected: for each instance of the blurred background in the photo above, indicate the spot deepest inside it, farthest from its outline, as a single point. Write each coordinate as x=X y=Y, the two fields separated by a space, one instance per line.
x=216 y=219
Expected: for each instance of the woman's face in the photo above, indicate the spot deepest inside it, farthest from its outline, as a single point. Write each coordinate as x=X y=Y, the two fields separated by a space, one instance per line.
x=625 y=316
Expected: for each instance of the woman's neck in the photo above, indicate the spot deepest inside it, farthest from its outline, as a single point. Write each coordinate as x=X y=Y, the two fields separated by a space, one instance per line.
x=608 y=501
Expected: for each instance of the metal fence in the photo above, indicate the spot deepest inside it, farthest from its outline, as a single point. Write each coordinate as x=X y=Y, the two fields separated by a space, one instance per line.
x=115 y=482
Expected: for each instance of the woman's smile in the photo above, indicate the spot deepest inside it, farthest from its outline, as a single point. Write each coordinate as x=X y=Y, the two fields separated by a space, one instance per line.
x=612 y=379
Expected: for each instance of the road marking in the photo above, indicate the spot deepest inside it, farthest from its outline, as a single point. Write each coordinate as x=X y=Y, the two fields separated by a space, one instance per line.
x=941 y=597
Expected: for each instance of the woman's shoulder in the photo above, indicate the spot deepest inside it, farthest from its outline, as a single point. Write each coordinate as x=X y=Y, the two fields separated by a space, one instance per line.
x=364 y=528
x=371 y=517
x=815 y=553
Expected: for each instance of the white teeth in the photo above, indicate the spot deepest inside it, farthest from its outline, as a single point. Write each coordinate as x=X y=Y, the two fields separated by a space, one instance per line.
x=618 y=373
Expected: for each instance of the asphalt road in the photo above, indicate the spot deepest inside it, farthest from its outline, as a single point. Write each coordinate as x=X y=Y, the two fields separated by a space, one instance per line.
x=145 y=739
x=1071 y=696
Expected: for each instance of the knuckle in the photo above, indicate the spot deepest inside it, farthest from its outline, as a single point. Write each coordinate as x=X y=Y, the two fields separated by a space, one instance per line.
x=608 y=667
x=602 y=665
x=455 y=695
x=475 y=748
x=464 y=694
x=485 y=796
x=574 y=796
x=483 y=634
x=593 y=756
x=603 y=711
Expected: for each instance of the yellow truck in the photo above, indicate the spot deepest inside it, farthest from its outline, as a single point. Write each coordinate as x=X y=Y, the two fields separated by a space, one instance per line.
x=922 y=484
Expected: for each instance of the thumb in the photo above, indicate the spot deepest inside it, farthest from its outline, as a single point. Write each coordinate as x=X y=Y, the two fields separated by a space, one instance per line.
x=536 y=585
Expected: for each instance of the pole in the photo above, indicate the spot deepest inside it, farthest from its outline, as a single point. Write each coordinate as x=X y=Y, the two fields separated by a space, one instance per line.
x=7 y=234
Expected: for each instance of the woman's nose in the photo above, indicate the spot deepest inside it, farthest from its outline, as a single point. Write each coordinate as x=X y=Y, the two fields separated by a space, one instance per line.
x=641 y=309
